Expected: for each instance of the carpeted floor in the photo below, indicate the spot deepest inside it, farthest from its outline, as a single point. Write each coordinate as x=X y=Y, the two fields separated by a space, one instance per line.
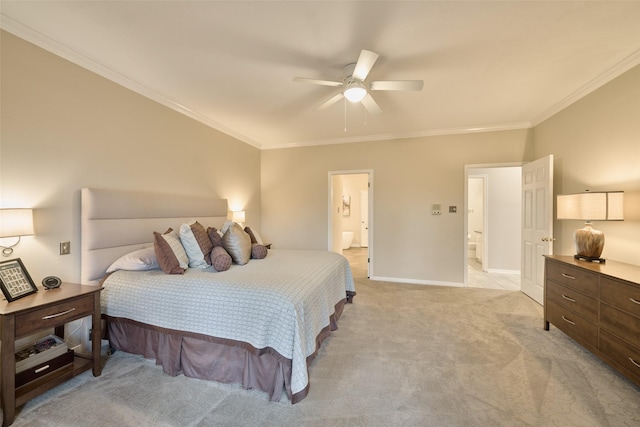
x=405 y=355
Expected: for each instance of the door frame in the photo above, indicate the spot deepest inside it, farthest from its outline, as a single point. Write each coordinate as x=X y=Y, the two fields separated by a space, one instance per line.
x=370 y=248
x=486 y=214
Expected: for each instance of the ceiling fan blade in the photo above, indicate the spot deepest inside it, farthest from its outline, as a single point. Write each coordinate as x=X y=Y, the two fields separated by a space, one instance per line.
x=371 y=105
x=317 y=82
x=397 y=85
x=364 y=64
x=331 y=101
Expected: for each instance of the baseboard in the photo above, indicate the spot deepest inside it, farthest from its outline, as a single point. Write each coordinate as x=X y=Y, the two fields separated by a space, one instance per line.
x=499 y=271
x=416 y=282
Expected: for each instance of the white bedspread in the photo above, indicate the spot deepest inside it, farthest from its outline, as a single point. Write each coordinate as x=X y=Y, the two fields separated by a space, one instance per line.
x=282 y=301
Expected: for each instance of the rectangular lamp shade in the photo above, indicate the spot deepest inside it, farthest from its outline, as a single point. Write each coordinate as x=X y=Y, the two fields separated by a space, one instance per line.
x=16 y=222
x=597 y=206
x=237 y=216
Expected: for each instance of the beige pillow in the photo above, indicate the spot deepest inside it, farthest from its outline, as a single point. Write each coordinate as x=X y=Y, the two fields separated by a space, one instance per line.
x=238 y=244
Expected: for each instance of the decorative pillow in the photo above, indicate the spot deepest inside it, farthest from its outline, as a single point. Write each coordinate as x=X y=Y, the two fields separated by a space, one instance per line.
x=171 y=255
x=258 y=251
x=220 y=259
x=238 y=244
x=196 y=243
x=142 y=259
x=214 y=236
x=255 y=237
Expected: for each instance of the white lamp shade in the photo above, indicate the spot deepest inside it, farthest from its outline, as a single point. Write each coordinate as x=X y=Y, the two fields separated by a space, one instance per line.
x=16 y=222
x=237 y=216
x=355 y=93
x=601 y=206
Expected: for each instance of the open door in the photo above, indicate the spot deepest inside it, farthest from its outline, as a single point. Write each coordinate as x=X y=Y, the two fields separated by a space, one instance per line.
x=537 y=224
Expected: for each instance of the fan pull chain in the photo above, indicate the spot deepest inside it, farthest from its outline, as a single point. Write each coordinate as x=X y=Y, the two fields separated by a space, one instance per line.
x=345 y=114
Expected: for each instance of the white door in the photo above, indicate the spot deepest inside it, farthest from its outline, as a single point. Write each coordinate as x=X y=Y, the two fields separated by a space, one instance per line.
x=364 y=218
x=537 y=224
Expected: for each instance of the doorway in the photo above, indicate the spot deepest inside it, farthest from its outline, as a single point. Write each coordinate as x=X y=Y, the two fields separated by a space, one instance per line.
x=493 y=226
x=350 y=216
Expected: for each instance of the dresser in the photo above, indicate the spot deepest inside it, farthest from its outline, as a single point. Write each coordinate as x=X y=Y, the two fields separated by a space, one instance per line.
x=598 y=305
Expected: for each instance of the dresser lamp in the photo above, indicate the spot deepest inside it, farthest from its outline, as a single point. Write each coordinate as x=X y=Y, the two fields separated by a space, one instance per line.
x=15 y=223
x=590 y=206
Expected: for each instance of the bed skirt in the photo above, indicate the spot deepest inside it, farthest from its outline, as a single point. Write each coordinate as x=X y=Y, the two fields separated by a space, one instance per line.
x=212 y=358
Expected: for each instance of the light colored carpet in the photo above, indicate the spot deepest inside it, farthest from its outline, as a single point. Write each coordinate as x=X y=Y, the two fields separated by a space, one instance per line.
x=405 y=355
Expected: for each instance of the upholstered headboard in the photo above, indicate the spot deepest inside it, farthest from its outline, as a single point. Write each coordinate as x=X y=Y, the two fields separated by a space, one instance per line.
x=116 y=222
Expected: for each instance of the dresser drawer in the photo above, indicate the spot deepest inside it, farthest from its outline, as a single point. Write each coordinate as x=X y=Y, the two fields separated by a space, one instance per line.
x=620 y=294
x=620 y=323
x=572 y=324
x=621 y=352
x=576 y=278
x=572 y=300
x=54 y=315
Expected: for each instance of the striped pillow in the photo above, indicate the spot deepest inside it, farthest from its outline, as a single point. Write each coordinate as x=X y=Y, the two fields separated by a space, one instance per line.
x=196 y=244
x=169 y=251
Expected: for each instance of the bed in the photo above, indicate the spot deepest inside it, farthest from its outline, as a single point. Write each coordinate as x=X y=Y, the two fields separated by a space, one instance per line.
x=258 y=325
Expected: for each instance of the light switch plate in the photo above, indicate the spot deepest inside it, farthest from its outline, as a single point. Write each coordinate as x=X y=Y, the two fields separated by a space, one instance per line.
x=436 y=209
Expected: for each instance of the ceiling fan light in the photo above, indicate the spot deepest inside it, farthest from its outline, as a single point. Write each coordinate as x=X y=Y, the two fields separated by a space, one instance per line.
x=355 y=93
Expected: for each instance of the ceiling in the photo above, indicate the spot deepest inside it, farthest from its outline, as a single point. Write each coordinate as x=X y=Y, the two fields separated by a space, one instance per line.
x=486 y=65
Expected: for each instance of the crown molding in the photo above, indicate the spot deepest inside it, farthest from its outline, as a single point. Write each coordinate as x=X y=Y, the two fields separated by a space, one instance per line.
x=617 y=70
x=26 y=33
x=404 y=135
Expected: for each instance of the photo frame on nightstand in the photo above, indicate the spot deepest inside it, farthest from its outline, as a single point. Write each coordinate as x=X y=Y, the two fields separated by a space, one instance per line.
x=15 y=280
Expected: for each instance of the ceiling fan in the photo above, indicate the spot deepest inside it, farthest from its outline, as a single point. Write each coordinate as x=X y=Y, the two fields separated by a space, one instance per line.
x=355 y=87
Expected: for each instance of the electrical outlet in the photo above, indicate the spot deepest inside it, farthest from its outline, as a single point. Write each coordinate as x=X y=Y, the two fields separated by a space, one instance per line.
x=65 y=248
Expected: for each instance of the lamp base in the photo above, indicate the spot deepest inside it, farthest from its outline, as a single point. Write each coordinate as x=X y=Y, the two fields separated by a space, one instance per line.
x=590 y=259
x=589 y=243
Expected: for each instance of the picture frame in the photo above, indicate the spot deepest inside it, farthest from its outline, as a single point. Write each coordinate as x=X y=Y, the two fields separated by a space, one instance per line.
x=346 y=205
x=15 y=280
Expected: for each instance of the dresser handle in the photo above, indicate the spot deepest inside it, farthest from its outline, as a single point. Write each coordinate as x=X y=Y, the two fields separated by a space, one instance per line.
x=568 y=277
x=568 y=321
x=634 y=362
x=51 y=316
x=45 y=367
x=634 y=301
x=567 y=298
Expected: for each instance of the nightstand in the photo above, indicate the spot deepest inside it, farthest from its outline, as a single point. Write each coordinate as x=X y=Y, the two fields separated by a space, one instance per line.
x=40 y=311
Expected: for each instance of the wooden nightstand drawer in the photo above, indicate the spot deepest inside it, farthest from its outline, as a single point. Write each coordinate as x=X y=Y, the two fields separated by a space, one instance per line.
x=45 y=368
x=573 y=300
x=578 y=279
x=620 y=294
x=572 y=324
x=620 y=323
x=48 y=317
x=621 y=352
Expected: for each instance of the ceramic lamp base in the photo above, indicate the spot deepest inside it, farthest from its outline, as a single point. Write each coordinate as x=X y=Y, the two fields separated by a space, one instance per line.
x=589 y=243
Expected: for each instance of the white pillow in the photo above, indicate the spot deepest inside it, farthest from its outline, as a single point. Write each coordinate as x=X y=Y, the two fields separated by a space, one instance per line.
x=257 y=236
x=142 y=259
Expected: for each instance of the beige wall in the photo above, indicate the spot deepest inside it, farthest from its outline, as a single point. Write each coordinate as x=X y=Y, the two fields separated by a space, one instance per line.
x=596 y=145
x=64 y=128
x=409 y=175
